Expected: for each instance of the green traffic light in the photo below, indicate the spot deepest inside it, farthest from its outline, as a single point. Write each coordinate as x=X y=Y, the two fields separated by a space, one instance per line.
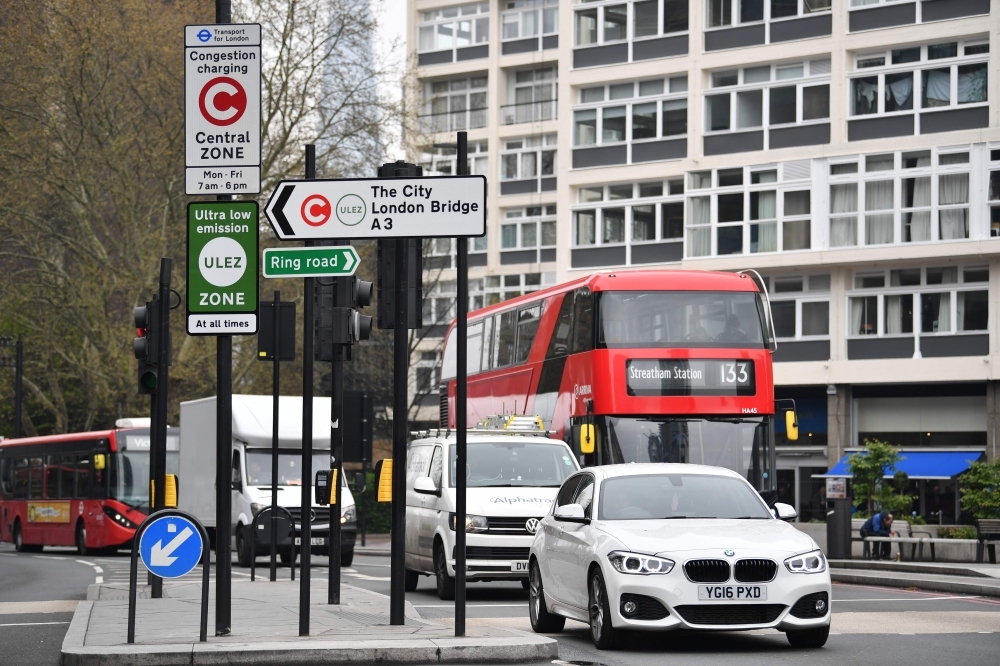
x=148 y=380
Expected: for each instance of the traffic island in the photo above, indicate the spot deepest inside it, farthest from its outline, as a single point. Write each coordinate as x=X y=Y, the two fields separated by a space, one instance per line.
x=265 y=631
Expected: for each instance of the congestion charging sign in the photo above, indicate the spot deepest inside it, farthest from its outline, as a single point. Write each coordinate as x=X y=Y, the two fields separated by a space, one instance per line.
x=222 y=112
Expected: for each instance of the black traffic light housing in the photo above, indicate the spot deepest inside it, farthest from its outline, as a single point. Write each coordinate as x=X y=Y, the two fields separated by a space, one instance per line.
x=146 y=345
x=336 y=320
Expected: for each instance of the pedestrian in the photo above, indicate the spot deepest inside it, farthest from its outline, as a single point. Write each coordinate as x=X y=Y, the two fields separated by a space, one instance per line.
x=879 y=525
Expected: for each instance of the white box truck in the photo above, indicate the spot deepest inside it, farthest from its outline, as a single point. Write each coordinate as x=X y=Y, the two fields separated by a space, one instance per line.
x=251 y=471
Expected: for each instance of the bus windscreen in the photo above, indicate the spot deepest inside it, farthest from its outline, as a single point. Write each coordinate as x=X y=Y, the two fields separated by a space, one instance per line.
x=680 y=319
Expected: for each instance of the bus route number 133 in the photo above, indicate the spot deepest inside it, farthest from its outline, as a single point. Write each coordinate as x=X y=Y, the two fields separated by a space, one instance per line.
x=734 y=373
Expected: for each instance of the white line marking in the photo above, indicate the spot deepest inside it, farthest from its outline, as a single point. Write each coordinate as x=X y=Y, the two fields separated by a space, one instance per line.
x=51 y=557
x=98 y=569
x=851 y=601
x=524 y=605
x=30 y=624
x=99 y=580
x=89 y=564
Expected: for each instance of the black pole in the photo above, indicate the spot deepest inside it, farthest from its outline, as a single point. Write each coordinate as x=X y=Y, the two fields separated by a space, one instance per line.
x=400 y=365
x=361 y=498
x=336 y=456
x=154 y=581
x=460 y=411
x=274 y=443
x=18 y=385
x=223 y=446
x=307 y=433
x=158 y=432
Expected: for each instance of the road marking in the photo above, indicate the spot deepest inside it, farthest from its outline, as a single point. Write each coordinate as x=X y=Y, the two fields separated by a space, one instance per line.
x=30 y=624
x=362 y=576
x=99 y=580
x=98 y=569
x=524 y=605
x=89 y=564
x=25 y=607
x=50 y=557
x=851 y=601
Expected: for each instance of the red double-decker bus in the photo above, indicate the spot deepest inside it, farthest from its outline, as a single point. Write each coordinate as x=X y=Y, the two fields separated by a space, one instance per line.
x=667 y=366
x=88 y=489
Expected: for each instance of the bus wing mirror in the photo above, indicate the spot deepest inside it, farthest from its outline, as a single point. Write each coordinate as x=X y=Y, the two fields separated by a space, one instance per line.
x=588 y=437
x=791 y=425
x=100 y=461
x=383 y=480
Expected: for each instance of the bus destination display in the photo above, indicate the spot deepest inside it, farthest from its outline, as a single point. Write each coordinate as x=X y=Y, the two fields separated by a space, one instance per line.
x=664 y=377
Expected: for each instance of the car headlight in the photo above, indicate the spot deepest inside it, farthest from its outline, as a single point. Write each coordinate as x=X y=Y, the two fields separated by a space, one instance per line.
x=811 y=562
x=257 y=507
x=119 y=518
x=349 y=515
x=637 y=563
x=472 y=523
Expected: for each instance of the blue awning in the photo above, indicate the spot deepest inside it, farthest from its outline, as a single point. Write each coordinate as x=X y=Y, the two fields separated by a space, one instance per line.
x=919 y=464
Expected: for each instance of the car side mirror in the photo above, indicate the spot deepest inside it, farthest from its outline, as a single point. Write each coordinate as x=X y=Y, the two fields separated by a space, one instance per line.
x=570 y=513
x=359 y=482
x=425 y=486
x=785 y=511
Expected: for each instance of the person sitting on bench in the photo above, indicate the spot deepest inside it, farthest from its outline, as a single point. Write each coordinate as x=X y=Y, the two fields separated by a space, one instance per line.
x=879 y=525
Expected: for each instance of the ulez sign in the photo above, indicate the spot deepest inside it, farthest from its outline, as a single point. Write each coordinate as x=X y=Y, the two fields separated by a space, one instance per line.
x=310 y=261
x=222 y=268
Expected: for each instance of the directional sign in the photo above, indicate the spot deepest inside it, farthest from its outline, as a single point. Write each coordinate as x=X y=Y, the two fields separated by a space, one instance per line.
x=310 y=261
x=433 y=207
x=222 y=108
x=222 y=268
x=171 y=547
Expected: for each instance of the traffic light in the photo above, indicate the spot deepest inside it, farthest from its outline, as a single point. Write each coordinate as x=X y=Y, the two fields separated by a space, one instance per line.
x=146 y=345
x=361 y=297
x=337 y=321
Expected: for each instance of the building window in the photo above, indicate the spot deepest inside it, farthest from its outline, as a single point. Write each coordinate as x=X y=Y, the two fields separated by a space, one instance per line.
x=789 y=8
x=428 y=372
x=493 y=289
x=455 y=104
x=610 y=23
x=453 y=28
x=726 y=13
x=529 y=228
x=994 y=193
x=800 y=306
x=534 y=93
x=631 y=112
x=768 y=95
x=927 y=77
x=530 y=18
x=747 y=210
x=932 y=187
x=528 y=157
x=442 y=160
x=928 y=301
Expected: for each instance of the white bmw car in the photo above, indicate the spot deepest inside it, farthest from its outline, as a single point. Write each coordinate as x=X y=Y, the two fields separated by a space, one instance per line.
x=656 y=547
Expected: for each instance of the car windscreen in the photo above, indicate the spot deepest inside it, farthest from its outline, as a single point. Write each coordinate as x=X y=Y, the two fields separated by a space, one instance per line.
x=678 y=496
x=289 y=467
x=680 y=319
x=515 y=464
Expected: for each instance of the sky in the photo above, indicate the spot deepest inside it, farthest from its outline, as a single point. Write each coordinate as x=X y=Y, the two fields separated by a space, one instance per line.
x=391 y=15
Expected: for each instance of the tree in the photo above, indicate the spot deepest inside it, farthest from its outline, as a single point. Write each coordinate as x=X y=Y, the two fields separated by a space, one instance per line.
x=980 y=488
x=868 y=469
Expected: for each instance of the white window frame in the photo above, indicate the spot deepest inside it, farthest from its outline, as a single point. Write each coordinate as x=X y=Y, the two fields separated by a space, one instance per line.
x=600 y=5
x=808 y=294
x=539 y=110
x=433 y=18
x=432 y=159
x=521 y=7
x=546 y=144
x=467 y=118
x=494 y=289
x=519 y=217
x=799 y=14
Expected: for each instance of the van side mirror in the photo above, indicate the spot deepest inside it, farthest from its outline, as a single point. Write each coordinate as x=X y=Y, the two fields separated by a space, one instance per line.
x=425 y=486
x=791 y=425
x=359 y=482
x=570 y=513
x=784 y=511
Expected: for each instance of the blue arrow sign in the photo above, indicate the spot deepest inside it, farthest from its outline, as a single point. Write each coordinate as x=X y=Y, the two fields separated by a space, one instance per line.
x=171 y=546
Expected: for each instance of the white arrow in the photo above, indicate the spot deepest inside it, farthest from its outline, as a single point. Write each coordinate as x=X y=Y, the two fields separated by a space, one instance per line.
x=159 y=556
x=350 y=260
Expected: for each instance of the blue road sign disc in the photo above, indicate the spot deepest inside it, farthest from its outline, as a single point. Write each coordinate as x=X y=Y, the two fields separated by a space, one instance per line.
x=171 y=546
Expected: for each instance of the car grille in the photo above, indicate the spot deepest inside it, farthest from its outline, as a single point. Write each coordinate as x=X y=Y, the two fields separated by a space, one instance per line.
x=755 y=571
x=494 y=553
x=507 y=525
x=707 y=571
x=322 y=515
x=725 y=614
x=649 y=608
x=443 y=407
x=805 y=607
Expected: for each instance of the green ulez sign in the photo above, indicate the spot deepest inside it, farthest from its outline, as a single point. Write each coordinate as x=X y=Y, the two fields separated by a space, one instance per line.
x=310 y=261
x=222 y=268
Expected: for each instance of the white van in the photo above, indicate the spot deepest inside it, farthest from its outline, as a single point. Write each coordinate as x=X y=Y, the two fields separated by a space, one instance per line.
x=251 y=471
x=512 y=480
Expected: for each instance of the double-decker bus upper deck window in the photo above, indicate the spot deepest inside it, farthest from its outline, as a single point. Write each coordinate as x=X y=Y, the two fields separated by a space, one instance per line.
x=583 y=320
x=559 y=342
x=527 y=327
x=680 y=319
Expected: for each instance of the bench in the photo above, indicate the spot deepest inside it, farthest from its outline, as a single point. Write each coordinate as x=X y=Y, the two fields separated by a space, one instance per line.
x=905 y=535
x=989 y=537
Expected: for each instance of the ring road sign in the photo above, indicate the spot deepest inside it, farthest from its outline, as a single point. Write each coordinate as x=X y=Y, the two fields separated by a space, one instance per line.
x=432 y=207
x=222 y=108
x=171 y=547
x=222 y=268
x=310 y=261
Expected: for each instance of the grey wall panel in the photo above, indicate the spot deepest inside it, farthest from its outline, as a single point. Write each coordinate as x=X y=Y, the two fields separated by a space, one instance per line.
x=734 y=38
x=802 y=350
x=548 y=184
x=956 y=119
x=519 y=46
x=518 y=186
x=879 y=128
x=659 y=150
x=664 y=47
x=473 y=52
x=806 y=135
x=598 y=256
x=865 y=348
x=434 y=58
x=804 y=28
x=600 y=55
x=519 y=257
x=548 y=255
x=477 y=259
x=436 y=263
x=603 y=156
x=657 y=253
x=939 y=10
x=550 y=42
x=723 y=144
x=884 y=16
x=955 y=345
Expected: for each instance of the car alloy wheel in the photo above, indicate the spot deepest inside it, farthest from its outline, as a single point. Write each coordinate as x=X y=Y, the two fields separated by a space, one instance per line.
x=596 y=608
x=603 y=633
x=445 y=583
x=542 y=621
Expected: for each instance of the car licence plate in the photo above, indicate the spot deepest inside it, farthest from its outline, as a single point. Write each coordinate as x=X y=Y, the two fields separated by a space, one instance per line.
x=314 y=541
x=519 y=567
x=732 y=593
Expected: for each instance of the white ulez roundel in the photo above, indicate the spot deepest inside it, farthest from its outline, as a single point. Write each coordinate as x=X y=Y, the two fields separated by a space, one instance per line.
x=222 y=261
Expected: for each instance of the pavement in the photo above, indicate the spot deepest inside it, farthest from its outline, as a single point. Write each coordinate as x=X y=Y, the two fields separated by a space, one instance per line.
x=957 y=578
x=375 y=544
x=265 y=621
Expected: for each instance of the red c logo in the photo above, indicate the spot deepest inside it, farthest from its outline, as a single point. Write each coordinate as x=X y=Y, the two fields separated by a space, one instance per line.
x=222 y=101
x=316 y=210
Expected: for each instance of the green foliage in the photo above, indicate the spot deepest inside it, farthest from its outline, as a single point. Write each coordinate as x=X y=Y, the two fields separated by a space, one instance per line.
x=378 y=516
x=871 y=491
x=957 y=532
x=980 y=488
x=917 y=520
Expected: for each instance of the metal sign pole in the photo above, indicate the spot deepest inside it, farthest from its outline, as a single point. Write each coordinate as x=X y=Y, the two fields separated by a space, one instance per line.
x=305 y=576
x=274 y=443
x=460 y=411
x=336 y=449
x=158 y=435
x=400 y=365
